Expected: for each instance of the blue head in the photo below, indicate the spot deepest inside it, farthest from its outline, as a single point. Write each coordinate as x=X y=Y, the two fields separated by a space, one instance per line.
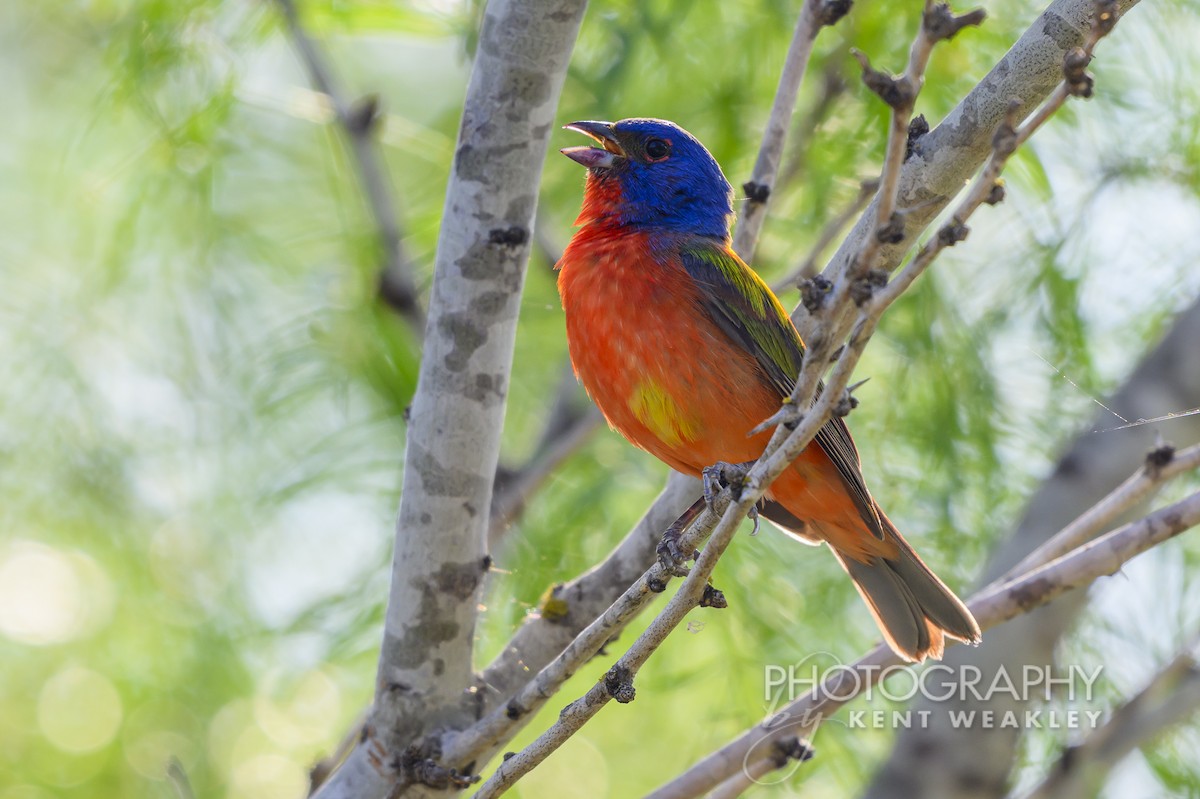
x=653 y=174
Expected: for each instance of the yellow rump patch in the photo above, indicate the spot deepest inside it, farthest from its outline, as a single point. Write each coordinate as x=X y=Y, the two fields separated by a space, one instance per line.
x=656 y=409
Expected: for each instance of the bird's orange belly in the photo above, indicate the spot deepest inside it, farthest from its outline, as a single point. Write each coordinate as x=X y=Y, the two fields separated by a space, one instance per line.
x=675 y=385
x=665 y=377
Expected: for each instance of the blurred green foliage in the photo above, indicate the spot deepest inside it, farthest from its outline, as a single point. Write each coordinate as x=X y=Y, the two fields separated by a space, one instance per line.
x=201 y=432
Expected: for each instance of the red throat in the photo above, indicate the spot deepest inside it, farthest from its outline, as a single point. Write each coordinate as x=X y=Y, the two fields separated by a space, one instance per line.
x=601 y=199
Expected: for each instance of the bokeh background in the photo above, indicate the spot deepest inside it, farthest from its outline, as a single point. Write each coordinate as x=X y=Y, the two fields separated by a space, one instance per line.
x=201 y=422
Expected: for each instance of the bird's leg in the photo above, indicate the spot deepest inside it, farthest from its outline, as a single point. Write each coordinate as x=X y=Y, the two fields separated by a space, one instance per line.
x=716 y=478
x=669 y=556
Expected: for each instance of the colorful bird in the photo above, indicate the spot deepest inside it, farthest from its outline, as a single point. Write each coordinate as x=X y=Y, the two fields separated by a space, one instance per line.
x=685 y=349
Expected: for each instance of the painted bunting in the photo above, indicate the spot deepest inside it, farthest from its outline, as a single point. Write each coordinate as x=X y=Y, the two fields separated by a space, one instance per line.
x=685 y=349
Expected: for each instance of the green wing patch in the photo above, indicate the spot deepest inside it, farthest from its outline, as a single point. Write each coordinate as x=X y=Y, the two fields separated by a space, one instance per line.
x=737 y=300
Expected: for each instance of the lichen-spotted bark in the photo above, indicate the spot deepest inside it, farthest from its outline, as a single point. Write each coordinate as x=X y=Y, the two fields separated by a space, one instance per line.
x=458 y=410
x=425 y=667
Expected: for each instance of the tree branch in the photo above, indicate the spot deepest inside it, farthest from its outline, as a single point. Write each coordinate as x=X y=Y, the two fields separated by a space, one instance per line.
x=1104 y=556
x=814 y=15
x=944 y=159
x=569 y=607
x=359 y=121
x=833 y=86
x=1162 y=464
x=425 y=664
x=618 y=682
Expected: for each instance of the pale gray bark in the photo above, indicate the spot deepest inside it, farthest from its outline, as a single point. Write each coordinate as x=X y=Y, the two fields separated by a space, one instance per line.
x=425 y=668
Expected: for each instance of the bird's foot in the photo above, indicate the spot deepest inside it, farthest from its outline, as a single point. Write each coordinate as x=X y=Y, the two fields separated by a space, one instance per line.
x=722 y=475
x=674 y=561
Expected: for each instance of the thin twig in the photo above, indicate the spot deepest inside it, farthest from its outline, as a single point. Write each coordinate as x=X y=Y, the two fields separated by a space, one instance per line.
x=359 y=120
x=177 y=775
x=1104 y=556
x=502 y=722
x=814 y=15
x=321 y=770
x=784 y=750
x=1162 y=464
x=569 y=607
x=900 y=94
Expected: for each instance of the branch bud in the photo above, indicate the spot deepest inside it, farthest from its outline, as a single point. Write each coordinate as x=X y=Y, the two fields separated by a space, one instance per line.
x=830 y=12
x=996 y=195
x=952 y=232
x=898 y=93
x=1079 y=82
x=940 y=23
x=1104 y=17
x=814 y=291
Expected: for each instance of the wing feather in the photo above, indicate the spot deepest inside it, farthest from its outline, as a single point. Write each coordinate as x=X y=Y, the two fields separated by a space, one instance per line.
x=737 y=300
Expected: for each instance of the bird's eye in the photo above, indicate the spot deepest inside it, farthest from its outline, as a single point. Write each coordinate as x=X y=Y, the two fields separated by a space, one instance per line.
x=657 y=149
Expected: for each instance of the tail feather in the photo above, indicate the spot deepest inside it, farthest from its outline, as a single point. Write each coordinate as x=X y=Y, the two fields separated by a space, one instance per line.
x=913 y=608
x=937 y=601
x=897 y=610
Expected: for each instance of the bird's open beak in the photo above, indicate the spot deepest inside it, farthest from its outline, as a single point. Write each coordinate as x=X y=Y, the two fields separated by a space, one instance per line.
x=595 y=157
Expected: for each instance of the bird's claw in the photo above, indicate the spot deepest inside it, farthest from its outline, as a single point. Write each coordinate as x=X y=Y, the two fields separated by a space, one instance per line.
x=722 y=475
x=753 y=516
x=670 y=558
